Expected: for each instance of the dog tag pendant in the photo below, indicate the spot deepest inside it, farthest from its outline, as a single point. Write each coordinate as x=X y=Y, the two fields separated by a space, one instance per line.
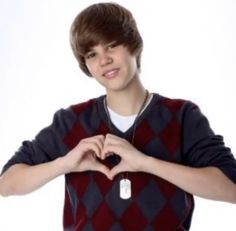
x=125 y=188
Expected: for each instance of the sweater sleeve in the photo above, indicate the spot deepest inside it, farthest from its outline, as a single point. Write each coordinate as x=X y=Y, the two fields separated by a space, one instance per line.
x=201 y=147
x=48 y=143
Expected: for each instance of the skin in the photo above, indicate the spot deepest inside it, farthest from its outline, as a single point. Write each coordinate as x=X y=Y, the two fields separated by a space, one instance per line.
x=115 y=68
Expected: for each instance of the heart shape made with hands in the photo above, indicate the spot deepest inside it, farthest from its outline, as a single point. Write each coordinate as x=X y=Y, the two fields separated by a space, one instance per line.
x=106 y=169
x=98 y=163
x=102 y=147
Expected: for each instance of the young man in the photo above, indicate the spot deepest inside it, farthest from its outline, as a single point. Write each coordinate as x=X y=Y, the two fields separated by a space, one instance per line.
x=132 y=160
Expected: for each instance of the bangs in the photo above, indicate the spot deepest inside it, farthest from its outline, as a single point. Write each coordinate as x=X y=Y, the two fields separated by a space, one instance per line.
x=101 y=32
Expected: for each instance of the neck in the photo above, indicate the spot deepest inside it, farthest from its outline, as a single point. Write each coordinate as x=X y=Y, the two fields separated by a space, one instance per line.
x=128 y=101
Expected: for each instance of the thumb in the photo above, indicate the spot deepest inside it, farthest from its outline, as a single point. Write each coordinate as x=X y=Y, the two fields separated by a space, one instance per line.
x=102 y=168
x=114 y=171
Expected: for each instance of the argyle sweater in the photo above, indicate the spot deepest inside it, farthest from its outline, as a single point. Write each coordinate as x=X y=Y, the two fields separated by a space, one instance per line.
x=169 y=129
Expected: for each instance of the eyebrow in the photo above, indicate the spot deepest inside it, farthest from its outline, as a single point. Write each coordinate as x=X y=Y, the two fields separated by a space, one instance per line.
x=90 y=49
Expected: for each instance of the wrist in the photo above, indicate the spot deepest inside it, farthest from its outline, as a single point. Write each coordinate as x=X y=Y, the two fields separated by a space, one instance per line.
x=145 y=163
x=63 y=165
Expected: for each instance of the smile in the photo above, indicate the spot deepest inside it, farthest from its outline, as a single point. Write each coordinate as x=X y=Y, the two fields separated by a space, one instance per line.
x=111 y=73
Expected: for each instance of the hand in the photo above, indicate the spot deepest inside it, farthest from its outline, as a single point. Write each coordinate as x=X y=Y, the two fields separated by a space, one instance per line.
x=132 y=160
x=83 y=156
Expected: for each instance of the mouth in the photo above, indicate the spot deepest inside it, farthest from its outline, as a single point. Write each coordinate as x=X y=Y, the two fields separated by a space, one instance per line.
x=111 y=73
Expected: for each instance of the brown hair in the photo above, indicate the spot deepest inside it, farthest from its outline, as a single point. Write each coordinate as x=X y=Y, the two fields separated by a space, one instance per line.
x=103 y=23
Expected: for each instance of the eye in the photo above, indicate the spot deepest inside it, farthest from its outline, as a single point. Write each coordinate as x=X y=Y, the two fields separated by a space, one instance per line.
x=90 y=55
x=111 y=45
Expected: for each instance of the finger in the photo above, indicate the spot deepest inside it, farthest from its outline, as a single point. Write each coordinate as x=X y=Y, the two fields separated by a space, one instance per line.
x=111 y=149
x=110 y=142
x=102 y=168
x=90 y=146
x=115 y=140
x=98 y=140
x=115 y=171
x=111 y=138
x=109 y=154
x=105 y=154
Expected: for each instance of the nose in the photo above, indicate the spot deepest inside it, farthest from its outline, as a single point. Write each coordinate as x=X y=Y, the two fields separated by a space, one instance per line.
x=105 y=59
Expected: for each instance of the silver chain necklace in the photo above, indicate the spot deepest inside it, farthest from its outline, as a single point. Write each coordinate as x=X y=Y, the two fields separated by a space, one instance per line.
x=125 y=183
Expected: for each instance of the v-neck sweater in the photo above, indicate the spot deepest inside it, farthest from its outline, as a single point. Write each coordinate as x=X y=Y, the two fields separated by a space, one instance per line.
x=173 y=130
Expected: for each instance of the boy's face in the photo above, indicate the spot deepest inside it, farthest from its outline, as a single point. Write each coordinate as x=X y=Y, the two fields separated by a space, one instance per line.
x=111 y=65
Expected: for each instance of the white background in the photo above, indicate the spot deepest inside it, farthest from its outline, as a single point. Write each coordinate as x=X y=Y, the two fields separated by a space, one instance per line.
x=189 y=52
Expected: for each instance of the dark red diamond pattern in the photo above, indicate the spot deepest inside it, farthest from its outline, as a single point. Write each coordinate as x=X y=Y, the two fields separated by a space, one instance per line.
x=103 y=183
x=173 y=105
x=77 y=132
x=68 y=216
x=80 y=108
x=127 y=219
x=74 y=136
x=165 y=187
x=103 y=218
x=79 y=181
x=166 y=216
x=143 y=135
x=139 y=181
x=81 y=217
x=102 y=129
x=170 y=136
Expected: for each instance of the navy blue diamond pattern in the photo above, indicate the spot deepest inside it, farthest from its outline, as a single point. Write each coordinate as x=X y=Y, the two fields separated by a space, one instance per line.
x=88 y=123
x=92 y=198
x=150 y=200
x=164 y=116
x=113 y=200
x=177 y=203
x=73 y=199
x=149 y=228
x=87 y=227
x=156 y=144
x=116 y=227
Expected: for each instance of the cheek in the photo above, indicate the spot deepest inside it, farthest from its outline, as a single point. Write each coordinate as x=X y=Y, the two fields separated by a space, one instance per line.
x=90 y=68
x=132 y=65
